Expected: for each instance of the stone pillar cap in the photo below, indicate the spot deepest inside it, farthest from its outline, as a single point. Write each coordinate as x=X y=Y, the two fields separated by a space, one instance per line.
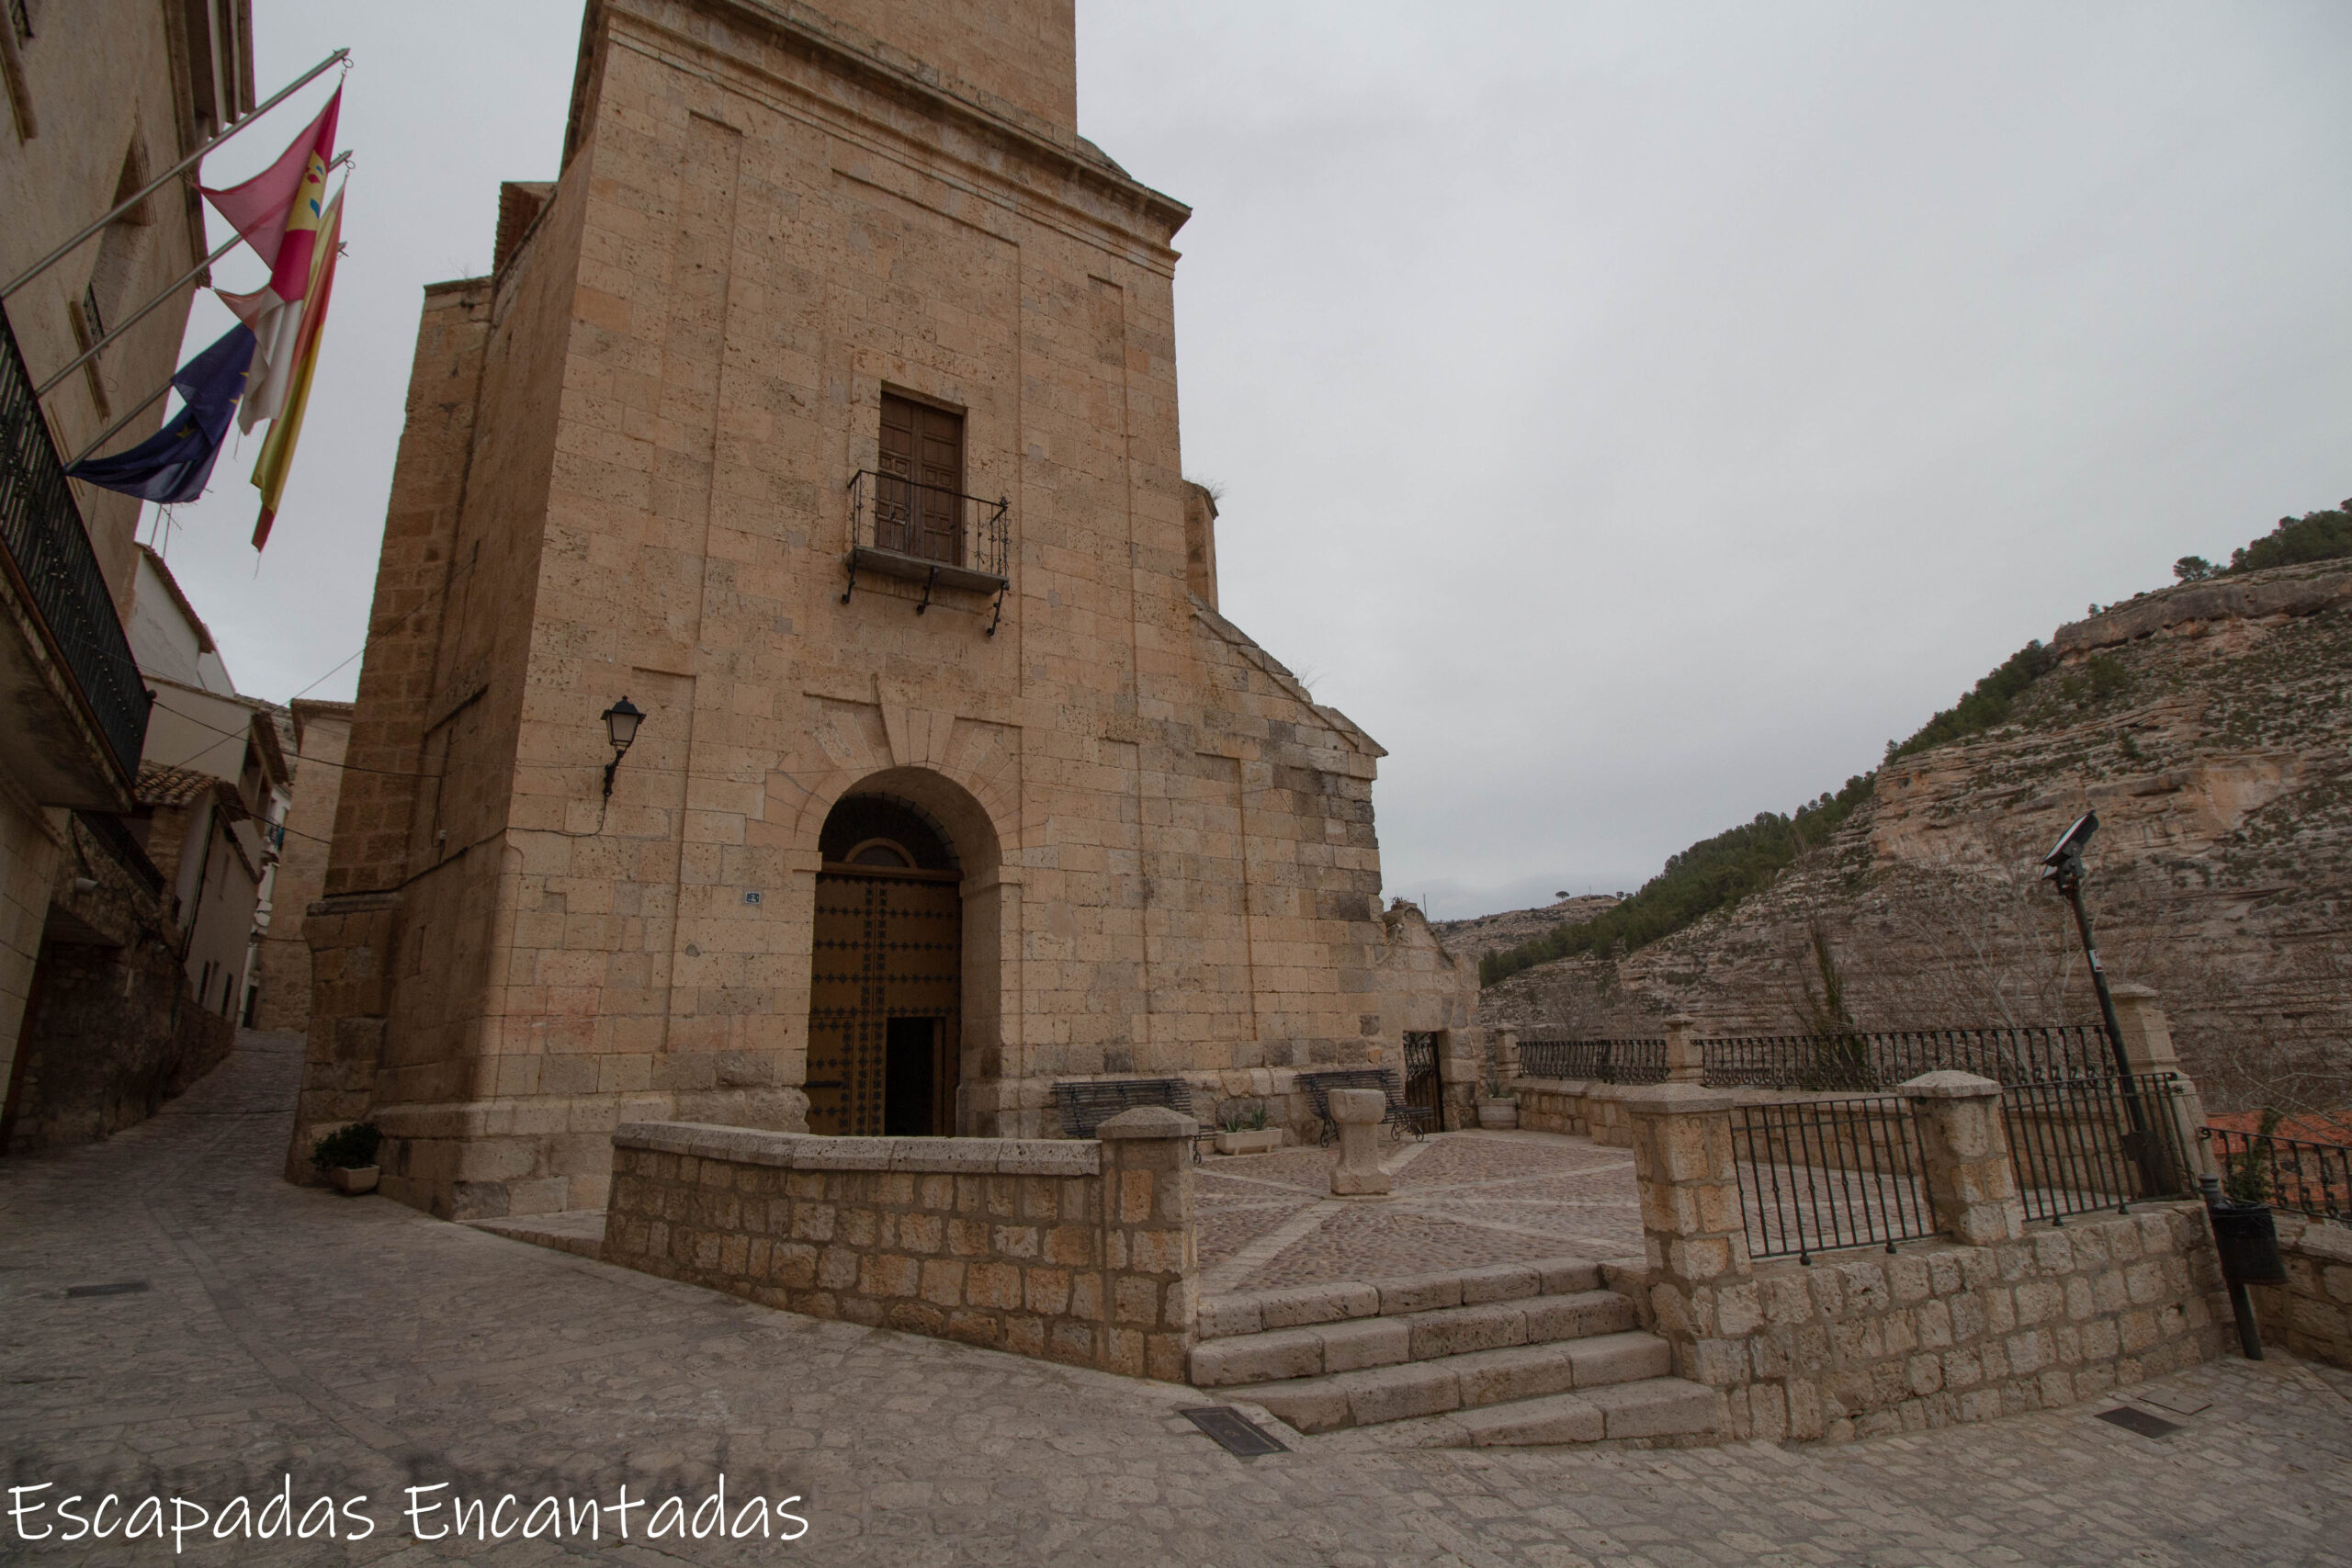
x=1948 y=1085
x=1147 y=1121
x=2132 y=989
x=1358 y=1105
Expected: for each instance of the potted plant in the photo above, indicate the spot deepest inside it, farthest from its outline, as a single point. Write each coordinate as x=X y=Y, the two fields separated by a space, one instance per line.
x=1497 y=1109
x=1246 y=1132
x=347 y=1157
x=2244 y=1234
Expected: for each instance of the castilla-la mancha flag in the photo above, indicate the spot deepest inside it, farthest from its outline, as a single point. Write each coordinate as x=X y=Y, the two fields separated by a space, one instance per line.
x=278 y=212
x=277 y=451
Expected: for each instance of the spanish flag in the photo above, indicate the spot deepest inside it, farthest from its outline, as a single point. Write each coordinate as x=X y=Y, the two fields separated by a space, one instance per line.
x=277 y=451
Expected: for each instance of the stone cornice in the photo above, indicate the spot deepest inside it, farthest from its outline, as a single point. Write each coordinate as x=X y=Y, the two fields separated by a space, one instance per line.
x=870 y=63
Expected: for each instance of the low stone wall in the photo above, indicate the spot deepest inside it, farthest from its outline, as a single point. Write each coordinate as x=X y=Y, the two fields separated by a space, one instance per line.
x=1594 y=1110
x=1994 y=1318
x=2312 y=1312
x=1076 y=1251
x=1860 y=1343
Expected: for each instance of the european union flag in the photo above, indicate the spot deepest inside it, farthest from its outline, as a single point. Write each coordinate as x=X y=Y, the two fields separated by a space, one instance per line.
x=175 y=463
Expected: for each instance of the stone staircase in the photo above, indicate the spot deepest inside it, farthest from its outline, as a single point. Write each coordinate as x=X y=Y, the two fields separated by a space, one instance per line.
x=1512 y=1354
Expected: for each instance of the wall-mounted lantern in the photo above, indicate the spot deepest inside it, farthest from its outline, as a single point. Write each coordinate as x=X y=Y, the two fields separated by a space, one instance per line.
x=621 y=720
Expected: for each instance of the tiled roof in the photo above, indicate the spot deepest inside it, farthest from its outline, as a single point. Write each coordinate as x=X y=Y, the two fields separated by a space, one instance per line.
x=2310 y=1126
x=160 y=785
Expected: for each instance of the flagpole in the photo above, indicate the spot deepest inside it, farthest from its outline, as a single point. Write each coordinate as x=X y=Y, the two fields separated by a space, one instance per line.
x=169 y=175
x=140 y=314
x=116 y=428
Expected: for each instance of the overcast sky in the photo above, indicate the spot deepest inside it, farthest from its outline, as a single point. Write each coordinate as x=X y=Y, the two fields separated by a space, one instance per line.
x=1633 y=415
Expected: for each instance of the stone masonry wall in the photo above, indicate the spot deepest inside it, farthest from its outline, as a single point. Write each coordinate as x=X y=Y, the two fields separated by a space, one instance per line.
x=627 y=471
x=1079 y=1252
x=1860 y=1343
x=2312 y=1312
x=1992 y=1318
x=1564 y=1105
x=324 y=731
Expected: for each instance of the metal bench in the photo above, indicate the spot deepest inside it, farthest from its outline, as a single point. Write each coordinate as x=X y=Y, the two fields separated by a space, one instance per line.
x=1400 y=1117
x=1086 y=1104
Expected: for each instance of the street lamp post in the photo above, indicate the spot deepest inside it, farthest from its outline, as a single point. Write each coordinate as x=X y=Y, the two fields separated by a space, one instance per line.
x=2062 y=868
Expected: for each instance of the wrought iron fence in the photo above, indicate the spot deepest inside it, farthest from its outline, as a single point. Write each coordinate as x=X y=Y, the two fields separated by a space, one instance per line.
x=2287 y=1173
x=928 y=523
x=1838 y=1062
x=1822 y=1174
x=1882 y=1060
x=50 y=550
x=1596 y=1061
x=2080 y=1145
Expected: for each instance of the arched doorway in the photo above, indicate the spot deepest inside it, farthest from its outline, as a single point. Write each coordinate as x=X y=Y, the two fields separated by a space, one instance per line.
x=886 y=979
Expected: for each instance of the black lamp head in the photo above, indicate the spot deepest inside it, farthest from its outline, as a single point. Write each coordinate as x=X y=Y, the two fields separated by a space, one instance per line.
x=620 y=723
x=2063 y=863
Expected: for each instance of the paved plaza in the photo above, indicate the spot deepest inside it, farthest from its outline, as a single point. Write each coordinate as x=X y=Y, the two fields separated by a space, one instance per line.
x=1461 y=1201
x=363 y=1348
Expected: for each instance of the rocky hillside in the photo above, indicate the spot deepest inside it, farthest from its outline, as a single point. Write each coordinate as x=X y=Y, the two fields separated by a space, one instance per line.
x=1486 y=933
x=2210 y=725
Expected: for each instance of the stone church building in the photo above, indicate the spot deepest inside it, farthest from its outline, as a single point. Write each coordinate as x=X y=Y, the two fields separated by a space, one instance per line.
x=824 y=409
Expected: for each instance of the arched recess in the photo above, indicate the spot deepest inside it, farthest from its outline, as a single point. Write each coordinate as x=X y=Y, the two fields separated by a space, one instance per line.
x=905 y=1002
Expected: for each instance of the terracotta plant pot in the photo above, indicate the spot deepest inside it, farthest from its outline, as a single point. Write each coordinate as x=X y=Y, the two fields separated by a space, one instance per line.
x=352 y=1181
x=1265 y=1140
x=1498 y=1113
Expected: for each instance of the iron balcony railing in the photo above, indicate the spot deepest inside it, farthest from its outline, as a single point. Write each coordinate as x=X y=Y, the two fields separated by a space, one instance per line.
x=2287 y=1173
x=927 y=523
x=49 y=553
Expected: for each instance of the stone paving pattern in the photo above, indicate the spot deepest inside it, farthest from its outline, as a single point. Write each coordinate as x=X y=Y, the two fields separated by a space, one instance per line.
x=1461 y=1201
x=355 y=1338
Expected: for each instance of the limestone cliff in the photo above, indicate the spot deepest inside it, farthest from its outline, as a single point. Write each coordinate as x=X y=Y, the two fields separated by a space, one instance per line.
x=2210 y=726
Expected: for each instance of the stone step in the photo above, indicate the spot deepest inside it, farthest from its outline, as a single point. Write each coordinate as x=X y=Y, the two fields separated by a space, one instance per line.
x=1424 y=1336
x=1468 y=1380
x=1253 y=1312
x=1654 y=1410
x=580 y=1231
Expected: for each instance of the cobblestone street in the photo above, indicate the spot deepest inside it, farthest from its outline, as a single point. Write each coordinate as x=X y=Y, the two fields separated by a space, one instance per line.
x=363 y=1348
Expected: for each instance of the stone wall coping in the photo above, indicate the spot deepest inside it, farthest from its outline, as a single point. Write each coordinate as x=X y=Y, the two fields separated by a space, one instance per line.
x=1679 y=1099
x=808 y=1151
x=1144 y=1121
x=1948 y=1083
x=2331 y=1242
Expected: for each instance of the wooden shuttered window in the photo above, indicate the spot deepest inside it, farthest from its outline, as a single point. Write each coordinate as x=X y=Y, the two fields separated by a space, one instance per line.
x=921 y=500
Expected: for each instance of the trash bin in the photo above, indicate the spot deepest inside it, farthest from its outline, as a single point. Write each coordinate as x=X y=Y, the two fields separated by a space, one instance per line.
x=2247 y=1240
